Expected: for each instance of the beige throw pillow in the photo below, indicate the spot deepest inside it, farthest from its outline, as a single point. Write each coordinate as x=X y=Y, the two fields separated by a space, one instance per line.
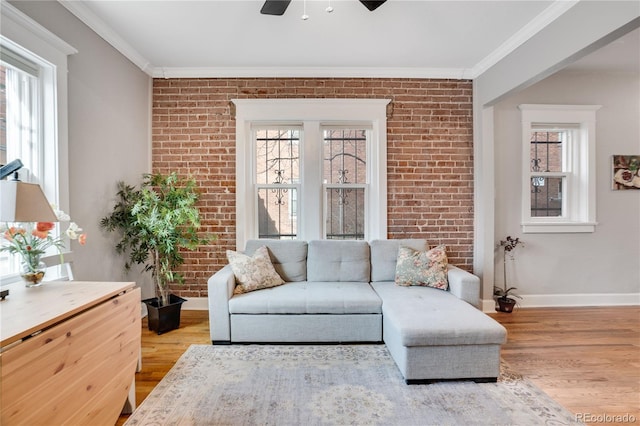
x=253 y=272
x=422 y=268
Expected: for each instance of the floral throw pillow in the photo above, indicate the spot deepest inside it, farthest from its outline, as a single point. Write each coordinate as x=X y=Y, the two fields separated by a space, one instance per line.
x=253 y=272
x=422 y=268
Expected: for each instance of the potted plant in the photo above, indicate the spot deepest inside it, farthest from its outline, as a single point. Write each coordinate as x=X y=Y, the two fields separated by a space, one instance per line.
x=156 y=222
x=504 y=296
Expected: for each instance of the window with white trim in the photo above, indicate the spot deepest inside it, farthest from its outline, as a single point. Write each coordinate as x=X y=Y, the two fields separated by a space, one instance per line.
x=33 y=110
x=558 y=189
x=310 y=169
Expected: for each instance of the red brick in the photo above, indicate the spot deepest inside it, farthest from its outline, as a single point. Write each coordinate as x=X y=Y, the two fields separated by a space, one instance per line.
x=430 y=155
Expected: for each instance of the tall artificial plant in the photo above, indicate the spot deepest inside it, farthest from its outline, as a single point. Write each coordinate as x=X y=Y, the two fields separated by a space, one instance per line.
x=156 y=222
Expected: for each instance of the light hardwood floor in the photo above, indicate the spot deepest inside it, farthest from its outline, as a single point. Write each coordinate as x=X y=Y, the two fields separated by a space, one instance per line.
x=587 y=359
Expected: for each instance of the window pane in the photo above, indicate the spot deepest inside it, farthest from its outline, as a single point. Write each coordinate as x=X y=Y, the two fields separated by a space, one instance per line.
x=345 y=213
x=277 y=213
x=546 y=196
x=277 y=156
x=19 y=135
x=345 y=156
x=546 y=151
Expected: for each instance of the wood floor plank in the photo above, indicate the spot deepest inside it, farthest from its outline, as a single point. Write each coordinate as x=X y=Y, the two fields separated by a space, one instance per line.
x=587 y=359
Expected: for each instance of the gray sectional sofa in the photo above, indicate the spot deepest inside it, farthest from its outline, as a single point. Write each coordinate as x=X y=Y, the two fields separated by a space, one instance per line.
x=344 y=291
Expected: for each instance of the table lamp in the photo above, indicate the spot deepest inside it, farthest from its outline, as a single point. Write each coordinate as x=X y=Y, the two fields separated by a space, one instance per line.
x=21 y=201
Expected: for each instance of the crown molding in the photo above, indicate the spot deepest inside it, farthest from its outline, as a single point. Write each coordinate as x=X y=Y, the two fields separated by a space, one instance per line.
x=309 y=72
x=547 y=16
x=551 y=13
x=82 y=12
x=17 y=17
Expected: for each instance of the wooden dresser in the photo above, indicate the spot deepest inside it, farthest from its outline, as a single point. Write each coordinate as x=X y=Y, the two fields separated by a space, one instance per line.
x=69 y=352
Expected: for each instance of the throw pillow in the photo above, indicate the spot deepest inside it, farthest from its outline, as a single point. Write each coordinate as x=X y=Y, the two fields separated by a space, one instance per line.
x=253 y=272
x=422 y=268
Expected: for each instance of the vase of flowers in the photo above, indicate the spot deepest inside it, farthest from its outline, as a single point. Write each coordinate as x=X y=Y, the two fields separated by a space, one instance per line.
x=30 y=241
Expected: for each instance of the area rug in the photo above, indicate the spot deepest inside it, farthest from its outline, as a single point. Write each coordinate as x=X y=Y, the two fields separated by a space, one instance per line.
x=330 y=385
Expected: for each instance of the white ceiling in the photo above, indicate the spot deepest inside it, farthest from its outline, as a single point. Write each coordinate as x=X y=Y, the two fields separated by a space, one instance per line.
x=402 y=38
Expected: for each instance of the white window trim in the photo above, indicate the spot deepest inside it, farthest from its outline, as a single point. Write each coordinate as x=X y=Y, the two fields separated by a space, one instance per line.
x=19 y=32
x=580 y=208
x=314 y=113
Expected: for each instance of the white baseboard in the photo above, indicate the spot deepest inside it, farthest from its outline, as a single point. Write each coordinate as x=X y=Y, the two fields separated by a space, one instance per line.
x=570 y=300
x=527 y=301
x=196 y=304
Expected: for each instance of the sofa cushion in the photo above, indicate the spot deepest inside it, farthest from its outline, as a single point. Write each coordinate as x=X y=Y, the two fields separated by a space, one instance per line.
x=289 y=257
x=338 y=260
x=384 y=254
x=253 y=272
x=427 y=316
x=422 y=268
x=309 y=298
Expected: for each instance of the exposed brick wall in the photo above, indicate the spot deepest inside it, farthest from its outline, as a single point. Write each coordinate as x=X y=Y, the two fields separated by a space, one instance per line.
x=430 y=155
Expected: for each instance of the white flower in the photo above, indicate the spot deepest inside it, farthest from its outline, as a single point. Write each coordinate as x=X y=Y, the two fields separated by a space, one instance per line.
x=74 y=231
x=62 y=216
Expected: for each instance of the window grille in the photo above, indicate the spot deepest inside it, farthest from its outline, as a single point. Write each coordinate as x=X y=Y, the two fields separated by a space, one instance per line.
x=277 y=175
x=345 y=178
x=547 y=157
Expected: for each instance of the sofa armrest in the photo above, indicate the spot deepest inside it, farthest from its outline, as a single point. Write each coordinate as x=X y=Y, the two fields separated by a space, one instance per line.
x=464 y=285
x=220 y=286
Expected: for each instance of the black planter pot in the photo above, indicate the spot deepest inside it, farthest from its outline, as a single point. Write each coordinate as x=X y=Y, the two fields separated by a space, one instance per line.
x=164 y=318
x=506 y=304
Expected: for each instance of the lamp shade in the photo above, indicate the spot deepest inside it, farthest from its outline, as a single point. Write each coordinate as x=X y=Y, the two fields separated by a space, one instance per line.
x=24 y=202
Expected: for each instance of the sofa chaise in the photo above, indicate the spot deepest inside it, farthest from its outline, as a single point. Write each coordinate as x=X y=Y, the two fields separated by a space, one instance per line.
x=339 y=291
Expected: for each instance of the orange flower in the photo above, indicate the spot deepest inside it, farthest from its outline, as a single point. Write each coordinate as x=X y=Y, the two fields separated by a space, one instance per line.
x=40 y=234
x=82 y=239
x=13 y=231
x=44 y=226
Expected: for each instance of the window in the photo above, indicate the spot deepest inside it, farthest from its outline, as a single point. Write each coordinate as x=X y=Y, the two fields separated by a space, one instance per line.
x=345 y=182
x=33 y=85
x=558 y=191
x=277 y=156
x=310 y=169
x=20 y=102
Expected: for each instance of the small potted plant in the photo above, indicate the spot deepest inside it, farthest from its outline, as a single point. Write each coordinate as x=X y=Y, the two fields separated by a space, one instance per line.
x=504 y=296
x=156 y=222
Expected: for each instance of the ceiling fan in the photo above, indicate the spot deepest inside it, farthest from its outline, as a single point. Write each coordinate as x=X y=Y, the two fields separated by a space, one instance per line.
x=278 y=7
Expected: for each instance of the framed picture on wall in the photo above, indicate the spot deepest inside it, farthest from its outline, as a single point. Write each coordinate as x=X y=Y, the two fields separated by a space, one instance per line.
x=626 y=172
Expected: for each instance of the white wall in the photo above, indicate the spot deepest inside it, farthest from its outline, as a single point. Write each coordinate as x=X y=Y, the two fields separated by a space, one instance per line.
x=562 y=269
x=109 y=134
x=584 y=28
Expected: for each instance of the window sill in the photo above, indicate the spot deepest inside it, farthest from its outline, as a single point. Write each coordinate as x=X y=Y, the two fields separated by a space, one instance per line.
x=559 y=228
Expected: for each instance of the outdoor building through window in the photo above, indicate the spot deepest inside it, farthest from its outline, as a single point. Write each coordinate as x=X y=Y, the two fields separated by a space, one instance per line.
x=548 y=172
x=345 y=182
x=277 y=177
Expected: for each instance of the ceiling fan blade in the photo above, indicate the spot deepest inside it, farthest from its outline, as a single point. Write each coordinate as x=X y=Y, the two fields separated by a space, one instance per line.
x=372 y=4
x=274 y=7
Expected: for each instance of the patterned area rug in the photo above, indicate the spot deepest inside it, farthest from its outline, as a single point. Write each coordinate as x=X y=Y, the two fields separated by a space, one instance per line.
x=330 y=385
